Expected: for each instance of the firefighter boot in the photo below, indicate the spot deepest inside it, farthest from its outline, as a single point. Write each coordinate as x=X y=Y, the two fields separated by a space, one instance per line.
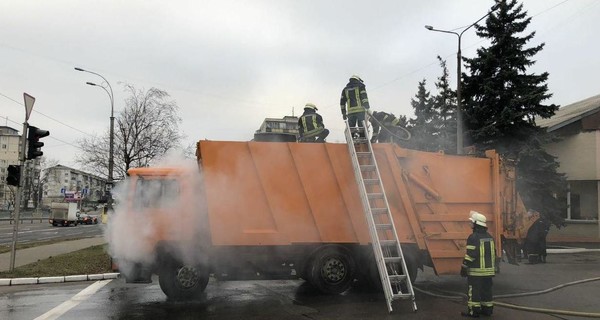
x=469 y=315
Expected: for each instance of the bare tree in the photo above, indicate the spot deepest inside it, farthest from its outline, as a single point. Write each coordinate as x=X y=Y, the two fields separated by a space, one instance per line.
x=146 y=129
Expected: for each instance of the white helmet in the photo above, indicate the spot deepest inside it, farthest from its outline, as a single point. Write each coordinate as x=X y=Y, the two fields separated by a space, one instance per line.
x=356 y=77
x=478 y=218
x=310 y=106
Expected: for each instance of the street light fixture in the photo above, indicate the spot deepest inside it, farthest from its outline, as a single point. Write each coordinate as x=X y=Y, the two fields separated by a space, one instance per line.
x=459 y=121
x=112 y=130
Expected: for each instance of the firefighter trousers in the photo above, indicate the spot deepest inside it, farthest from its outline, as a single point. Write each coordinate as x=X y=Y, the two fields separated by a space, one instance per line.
x=479 y=295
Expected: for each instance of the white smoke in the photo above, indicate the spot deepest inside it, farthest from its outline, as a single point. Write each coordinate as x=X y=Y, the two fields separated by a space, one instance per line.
x=133 y=230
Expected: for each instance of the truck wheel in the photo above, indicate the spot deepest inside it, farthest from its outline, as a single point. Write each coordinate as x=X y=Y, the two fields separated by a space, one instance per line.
x=332 y=269
x=182 y=282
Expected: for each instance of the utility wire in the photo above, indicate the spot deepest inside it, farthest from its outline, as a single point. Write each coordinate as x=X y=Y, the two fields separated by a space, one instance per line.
x=51 y=137
x=47 y=116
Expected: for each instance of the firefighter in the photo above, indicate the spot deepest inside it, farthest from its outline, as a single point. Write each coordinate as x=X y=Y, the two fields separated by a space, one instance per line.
x=310 y=125
x=478 y=267
x=535 y=242
x=387 y=121
x=354 y=104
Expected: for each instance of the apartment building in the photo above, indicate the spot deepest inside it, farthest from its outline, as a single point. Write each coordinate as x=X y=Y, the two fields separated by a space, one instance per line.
x=9 y=154
x=60 y=181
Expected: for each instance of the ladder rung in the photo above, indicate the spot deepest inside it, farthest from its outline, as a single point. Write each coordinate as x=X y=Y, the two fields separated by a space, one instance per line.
x=383 y=226
x=371 y=182
x=402 y=296
x=379 y=211
x=363 y=154
x=397 y=278
x=373 y=196
x=387 y=243
x=367 y=167
x=360 y=140
x=392 y=259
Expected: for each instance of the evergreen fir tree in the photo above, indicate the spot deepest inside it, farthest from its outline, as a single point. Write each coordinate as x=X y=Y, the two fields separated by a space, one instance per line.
x=420 y=127
x=444 y=112
x=501 y=102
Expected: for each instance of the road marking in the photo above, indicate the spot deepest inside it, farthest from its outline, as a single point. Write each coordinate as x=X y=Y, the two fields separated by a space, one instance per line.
x=73 y=302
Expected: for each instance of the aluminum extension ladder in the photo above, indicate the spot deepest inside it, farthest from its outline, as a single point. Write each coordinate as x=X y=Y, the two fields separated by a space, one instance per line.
x=386 y=246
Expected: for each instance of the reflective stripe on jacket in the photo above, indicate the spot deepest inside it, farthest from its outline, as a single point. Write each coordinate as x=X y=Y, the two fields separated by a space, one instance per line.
x=310 y=124
x=354 y=97
x=481 y=254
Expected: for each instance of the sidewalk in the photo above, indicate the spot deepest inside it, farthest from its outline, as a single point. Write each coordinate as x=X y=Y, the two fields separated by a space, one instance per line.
x=573 y=241
x=30 y=255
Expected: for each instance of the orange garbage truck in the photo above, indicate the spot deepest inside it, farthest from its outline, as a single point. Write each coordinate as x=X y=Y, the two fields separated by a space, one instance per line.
x=273 y=210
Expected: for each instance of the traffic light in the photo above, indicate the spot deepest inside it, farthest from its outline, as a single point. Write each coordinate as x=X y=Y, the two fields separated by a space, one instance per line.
x=14 y=175
x=34 y=144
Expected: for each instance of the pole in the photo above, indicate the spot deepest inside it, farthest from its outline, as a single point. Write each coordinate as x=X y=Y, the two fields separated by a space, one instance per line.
x=13 y=250
x=111 y=162
x=459 y=113
x=459 y=121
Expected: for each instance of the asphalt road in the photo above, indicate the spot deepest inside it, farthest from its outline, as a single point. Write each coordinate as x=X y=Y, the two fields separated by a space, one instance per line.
x=44 y=231
x=294 y=299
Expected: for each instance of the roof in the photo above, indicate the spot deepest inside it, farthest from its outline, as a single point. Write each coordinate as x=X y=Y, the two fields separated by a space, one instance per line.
x=571 y=113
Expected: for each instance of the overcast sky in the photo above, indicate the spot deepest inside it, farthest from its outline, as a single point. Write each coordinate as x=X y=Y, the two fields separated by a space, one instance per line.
x=230 y=64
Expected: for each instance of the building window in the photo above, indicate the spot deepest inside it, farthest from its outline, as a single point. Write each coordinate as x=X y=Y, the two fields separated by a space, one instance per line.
x=582 y=200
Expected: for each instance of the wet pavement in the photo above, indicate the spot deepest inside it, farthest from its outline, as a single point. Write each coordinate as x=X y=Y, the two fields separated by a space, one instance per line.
x=295 y=299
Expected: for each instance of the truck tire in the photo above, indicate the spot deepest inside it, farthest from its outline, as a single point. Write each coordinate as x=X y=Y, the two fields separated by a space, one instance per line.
x=332 y=269
x=182 y=282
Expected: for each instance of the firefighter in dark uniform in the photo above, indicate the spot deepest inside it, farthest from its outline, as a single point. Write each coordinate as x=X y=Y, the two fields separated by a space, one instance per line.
x=354 y=103
x=478 y=267
x=311 y=125
x=388 y=121
x=535 y=242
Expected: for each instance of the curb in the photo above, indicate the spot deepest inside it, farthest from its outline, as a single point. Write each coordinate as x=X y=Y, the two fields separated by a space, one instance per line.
x=75 y=278
x=571 y=250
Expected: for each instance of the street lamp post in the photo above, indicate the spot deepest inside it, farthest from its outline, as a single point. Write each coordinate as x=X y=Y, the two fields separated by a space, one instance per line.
x=459 y=121
x=112 y=131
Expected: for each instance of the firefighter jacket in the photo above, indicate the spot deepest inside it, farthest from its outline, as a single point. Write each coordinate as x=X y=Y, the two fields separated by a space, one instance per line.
x=310 y=124
x=354 y=97
x=481 y=254
x=383 y=119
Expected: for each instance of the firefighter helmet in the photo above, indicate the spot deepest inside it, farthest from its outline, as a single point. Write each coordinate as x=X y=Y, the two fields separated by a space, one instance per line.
x=356 y=77
x=478 y=218
x=310 y=106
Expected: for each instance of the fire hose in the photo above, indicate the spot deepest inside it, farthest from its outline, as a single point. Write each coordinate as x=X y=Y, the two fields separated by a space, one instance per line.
x=460 y=296
x=393 y=134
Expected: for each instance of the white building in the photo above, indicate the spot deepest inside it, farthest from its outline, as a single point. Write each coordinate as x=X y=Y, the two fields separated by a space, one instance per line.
x=60 y=180
x=578 y=151
x=9 y=154
x=278 y=129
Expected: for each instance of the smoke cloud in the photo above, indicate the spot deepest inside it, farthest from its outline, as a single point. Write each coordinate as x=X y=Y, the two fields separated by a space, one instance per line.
x=150 y=211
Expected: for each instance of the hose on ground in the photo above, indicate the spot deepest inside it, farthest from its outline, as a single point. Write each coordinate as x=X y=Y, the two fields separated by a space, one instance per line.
x=459 y=296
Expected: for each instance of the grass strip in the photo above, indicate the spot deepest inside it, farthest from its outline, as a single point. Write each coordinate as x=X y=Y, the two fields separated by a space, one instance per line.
x=91 y=260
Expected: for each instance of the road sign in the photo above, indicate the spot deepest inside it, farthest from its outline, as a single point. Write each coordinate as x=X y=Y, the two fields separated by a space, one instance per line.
x=29 y=101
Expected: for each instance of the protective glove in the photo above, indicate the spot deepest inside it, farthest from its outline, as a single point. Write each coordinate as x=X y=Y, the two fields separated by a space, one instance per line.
x=464 y=271
x=344 y=116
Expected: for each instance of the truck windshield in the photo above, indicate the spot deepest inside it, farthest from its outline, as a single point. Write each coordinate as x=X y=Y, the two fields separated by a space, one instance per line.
x=156 y=193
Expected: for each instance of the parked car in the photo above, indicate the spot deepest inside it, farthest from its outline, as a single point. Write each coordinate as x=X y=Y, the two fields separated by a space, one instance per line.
x=87 y=219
